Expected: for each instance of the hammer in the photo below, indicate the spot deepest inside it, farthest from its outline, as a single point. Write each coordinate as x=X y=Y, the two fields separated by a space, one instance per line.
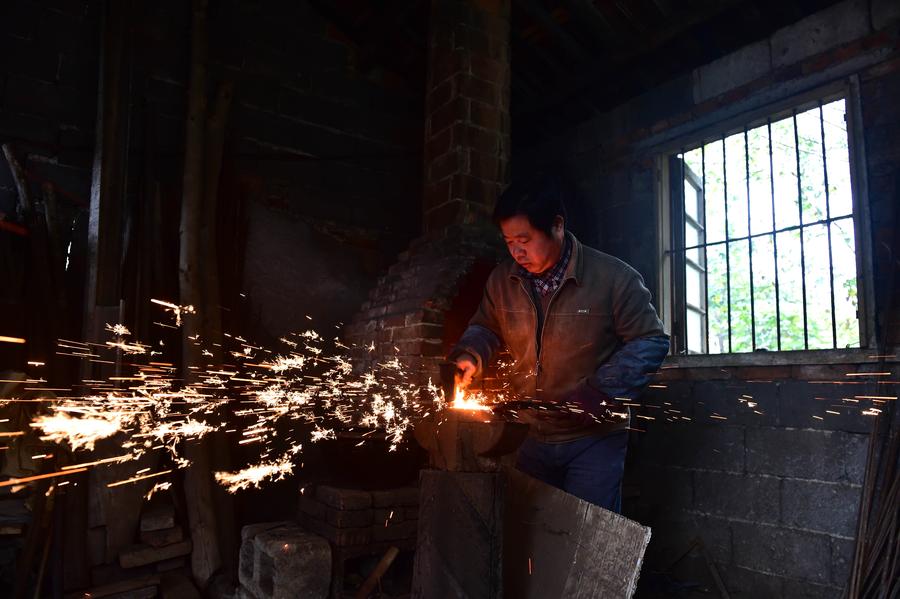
x=449 y=372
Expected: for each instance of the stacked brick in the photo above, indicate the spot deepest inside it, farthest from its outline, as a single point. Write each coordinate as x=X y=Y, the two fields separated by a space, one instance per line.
x=162 y=542
x=355 y=521
x=467 y=147
x=280 y=560
x=406 y=315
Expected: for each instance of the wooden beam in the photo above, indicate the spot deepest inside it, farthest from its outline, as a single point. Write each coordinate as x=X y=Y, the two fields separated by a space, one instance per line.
x=205 y=555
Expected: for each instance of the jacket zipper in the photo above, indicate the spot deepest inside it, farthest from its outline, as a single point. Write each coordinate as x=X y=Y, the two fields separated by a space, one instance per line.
x=540 y=339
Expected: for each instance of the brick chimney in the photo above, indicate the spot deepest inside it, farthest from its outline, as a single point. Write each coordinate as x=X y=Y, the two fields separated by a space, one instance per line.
x=421 y=306
x=467 y=111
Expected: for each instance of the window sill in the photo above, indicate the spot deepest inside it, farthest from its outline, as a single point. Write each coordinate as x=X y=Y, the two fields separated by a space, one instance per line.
x=784 y=358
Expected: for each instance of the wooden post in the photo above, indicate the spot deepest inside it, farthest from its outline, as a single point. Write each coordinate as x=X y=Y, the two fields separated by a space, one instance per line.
x=205 y=556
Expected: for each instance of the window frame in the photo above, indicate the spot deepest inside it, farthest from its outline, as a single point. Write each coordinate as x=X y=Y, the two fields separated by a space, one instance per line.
x=667 y=236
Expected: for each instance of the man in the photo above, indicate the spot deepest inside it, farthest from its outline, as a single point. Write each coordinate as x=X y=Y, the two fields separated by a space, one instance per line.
x=583 y=335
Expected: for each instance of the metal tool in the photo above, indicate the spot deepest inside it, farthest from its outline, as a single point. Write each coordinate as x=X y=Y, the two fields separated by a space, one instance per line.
x=449 y=373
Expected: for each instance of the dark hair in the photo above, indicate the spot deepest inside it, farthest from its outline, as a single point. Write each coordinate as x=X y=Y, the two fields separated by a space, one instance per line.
x=540 y=198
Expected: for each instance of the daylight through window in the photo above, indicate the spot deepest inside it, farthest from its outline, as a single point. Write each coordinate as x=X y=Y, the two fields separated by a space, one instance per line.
x=766 y=256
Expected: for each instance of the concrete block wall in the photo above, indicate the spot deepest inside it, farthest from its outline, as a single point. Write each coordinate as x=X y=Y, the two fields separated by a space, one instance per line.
x=773 y=493
x=764 y=465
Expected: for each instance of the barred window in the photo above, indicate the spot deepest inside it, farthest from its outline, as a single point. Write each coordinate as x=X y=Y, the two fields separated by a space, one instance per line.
x=763 y=238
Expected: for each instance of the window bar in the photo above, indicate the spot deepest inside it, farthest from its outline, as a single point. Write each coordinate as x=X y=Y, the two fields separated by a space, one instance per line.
x=705 y=256
x=774 y=234
x=682 y=270
x=727 y=253
x=800 y=210
x=750 y=243
x=828 y=228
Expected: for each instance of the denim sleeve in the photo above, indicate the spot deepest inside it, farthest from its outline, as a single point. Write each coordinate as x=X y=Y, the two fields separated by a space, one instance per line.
x=478 y=341
x=628 y=370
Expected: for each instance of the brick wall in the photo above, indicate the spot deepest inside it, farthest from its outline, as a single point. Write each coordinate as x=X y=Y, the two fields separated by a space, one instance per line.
x=773 y=495
x=420 y=307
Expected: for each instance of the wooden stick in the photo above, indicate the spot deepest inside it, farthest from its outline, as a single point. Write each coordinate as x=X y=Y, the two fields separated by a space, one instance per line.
x=18 y=174
x=386 y=560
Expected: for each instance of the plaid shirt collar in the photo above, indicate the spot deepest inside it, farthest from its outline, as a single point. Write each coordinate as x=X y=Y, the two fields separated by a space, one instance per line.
x=549 y=281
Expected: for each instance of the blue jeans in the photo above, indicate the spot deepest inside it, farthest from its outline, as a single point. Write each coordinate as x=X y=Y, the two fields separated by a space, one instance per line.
x=590 y=468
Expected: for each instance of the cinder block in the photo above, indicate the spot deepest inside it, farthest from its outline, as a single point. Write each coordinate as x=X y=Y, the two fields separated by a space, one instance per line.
x=709 y=446
x=884 y=13
x=343 y=499
x=782 y=551
x=841 y=560
x=666 y=489
x=830 y=456
x=742 y=403
x=799 y=401
x=747 y=582
x=247 y=556
x=834 y=26
x=732 y=71
x=747 y=497
x=824 y=507
x=803 y=589
x=287 y=562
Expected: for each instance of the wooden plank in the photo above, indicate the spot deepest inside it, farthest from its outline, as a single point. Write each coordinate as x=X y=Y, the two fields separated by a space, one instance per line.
x=557 y=545
x=141 y=555
x=115 y=588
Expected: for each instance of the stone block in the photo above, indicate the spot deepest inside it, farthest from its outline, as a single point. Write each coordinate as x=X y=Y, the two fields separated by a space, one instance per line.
x=666 y=489
x=799 y=401
x=803 y=589
x=406 y=496
x=834 y=26
x=342 y=537
x=747 y=582
x=782 y=551
x=348 y=518
x=885 y=13
x=732 y=71
x=742 y=403
x=291 y=562
x=830 y=456
x=708 y=446
x=141 y=555
x=841 y=560
x=823 y=507
x=343 y=499
x=158 y=517
x=160 y=538
x=745 y=497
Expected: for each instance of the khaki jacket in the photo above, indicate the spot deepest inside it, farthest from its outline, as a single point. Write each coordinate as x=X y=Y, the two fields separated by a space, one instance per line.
x=601 y=304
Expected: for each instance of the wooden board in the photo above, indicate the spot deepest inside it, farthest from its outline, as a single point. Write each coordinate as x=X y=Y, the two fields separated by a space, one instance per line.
x=557 y=545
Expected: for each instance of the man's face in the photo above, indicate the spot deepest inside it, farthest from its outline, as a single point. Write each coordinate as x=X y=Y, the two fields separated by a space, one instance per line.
x=532 y=248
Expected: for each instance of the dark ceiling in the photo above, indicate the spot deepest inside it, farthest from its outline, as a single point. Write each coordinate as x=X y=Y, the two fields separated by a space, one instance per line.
x=574 y=58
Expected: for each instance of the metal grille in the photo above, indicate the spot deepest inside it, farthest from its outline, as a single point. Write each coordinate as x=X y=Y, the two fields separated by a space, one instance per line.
x=763 y=234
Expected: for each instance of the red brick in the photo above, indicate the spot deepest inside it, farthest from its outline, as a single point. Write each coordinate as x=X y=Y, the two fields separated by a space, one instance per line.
x=489 y=69
x=446 y=165
x=484 y=166
x=446 y=214
x=440 y=95
x=486 y=116
x=477 y=89
x=455 y=111
x=468 y=38
x=438 y=144
x=436 y=194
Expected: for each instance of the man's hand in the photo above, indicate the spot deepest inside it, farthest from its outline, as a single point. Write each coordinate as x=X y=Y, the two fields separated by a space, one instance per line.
x=467 y=367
